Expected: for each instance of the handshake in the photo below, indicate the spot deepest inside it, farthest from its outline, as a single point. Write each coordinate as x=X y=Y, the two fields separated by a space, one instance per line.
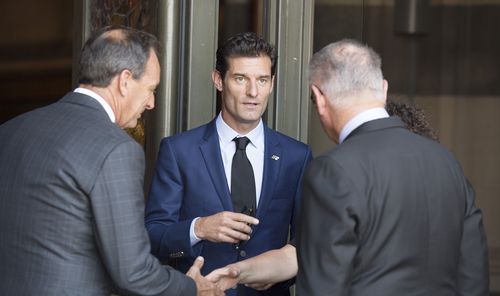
x=259 y=272
x=237 y=273
x=223 y=278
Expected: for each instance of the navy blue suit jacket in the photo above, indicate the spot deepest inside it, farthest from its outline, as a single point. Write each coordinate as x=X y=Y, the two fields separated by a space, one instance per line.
x=190 y=182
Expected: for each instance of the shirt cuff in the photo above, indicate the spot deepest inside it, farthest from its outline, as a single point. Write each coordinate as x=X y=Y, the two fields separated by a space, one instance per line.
x=194 y=239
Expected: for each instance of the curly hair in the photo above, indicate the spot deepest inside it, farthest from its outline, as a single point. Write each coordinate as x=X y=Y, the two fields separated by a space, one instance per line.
x=413 y=117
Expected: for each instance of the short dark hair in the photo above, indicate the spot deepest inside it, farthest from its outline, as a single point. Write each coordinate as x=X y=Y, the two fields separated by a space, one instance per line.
x=246 y=44
x=113 y=49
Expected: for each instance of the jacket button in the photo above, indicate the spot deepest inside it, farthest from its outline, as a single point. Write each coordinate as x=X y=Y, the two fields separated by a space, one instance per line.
x=243 y=253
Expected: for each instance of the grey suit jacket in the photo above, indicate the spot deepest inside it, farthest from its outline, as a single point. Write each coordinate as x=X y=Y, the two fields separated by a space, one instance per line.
x=72 y=207
x=389 y=212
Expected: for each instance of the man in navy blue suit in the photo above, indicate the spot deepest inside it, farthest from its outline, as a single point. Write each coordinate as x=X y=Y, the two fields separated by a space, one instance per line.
x=190 y=211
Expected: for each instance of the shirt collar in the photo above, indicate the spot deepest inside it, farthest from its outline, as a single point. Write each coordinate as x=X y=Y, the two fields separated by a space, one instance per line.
x=99 y=99
x=227 y=134
x=359 y=119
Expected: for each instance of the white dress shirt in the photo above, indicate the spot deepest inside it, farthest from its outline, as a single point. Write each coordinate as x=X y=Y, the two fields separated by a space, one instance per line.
x=365 y=116
x=255 y=154
x=99 y=99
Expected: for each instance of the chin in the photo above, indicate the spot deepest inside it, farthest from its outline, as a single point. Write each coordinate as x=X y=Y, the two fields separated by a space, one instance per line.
x=250 y=120
x=131 y=124
x=253 y=116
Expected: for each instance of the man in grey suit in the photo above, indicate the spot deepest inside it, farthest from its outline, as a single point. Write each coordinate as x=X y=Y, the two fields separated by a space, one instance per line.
x=386 y=212
x=71 y=186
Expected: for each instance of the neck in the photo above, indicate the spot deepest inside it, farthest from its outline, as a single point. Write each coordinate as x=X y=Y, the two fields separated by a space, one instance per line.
x=106 y=94
x=342 y=114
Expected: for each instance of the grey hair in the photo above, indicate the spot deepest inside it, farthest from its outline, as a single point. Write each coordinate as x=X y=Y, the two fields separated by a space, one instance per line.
x=113 y=49
x=345 y=68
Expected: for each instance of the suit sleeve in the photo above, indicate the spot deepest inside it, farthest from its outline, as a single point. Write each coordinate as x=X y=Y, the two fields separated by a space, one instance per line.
x=169 y=236
x=118 y=207
x=326 y=236
x=473 y=270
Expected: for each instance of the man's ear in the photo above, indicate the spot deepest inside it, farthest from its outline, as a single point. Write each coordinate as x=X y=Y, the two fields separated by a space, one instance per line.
x=385 y=87
x=217 y=79
x=124 y=82
x=320 y=100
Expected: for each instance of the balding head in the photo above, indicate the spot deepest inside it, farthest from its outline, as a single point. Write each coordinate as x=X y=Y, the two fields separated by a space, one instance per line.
x=345 y=69
x=113 y=49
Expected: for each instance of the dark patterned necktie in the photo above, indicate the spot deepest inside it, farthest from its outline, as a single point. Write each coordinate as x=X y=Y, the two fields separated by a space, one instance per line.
x=242 y=179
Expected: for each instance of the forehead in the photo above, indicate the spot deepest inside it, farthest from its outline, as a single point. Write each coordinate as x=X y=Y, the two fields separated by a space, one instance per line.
x=260 y=65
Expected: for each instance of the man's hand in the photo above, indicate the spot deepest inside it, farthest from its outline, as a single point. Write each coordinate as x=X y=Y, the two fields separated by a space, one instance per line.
x=229 y=276
x=204 y=287
x=225 y=227
x=225 y=277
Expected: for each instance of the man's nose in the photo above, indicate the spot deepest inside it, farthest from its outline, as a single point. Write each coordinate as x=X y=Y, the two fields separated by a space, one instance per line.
x=252 y=89
x=151 y=102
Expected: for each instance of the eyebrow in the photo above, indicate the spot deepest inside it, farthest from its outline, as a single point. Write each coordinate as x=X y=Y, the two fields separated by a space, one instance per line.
x=261 y=76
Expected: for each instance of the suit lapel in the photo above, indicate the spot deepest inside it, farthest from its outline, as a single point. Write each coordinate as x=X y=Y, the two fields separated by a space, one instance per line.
x=210 y=151
x=272 y=165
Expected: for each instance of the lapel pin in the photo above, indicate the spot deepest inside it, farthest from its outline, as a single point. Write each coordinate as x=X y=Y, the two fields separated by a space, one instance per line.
x=275 y=157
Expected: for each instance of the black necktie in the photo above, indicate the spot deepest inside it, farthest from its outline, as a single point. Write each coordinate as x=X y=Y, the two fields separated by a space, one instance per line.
x=242 y=179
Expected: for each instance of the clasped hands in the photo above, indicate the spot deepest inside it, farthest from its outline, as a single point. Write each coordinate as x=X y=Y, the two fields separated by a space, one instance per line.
x=229 y=227
x=237 y=273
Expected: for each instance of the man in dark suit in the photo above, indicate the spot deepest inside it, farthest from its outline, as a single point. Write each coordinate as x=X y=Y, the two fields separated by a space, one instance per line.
x=71 y=191
x=386 y=212
x=190 y=209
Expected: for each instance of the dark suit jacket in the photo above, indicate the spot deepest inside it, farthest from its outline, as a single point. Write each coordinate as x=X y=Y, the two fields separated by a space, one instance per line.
x=72 y=207
x=389 y=212
x=190 y=182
